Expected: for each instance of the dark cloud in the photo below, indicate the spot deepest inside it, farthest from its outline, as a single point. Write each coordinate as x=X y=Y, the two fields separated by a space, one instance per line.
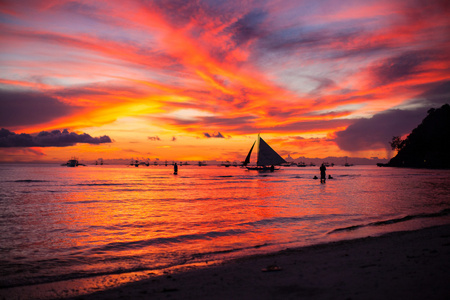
x=181 y=12
x=290 y=39
x=304 y=126
x=154 y=138
x=53 y=138
x=430 y=10
x=178 y=12
x=366 y=134
x=30 y=108
x=400 y=67
x=248 y=27
x=437 y=93
x=280 y=112
x=214 y=135
x=78 y=8
x=84 y=91
x=313 y=42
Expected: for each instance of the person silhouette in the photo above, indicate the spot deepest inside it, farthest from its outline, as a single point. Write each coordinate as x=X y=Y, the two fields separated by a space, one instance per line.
x=323 y=175
x=175 y=169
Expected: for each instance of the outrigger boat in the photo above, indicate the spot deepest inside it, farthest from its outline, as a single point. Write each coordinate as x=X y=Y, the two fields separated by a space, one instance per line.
x=73 y=162
x=267 y=157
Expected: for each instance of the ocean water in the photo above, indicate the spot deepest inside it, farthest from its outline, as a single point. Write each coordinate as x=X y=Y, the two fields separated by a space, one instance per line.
x=78 y=226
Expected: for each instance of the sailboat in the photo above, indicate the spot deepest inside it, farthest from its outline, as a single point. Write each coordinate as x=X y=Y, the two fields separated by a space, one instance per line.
x=267 y=157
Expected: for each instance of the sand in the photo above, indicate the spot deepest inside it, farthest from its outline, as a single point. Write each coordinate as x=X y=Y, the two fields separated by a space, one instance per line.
x=401 y=265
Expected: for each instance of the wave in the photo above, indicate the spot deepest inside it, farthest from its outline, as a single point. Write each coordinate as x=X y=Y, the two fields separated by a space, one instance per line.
x=212 y=253
x=442 y=213
x=29 y=180
x=47 y=278
x=285 y=220
x=11 y=283
x=348 y=175
x=81 y=202
x=93 y=259
x=101 y=184
x=119 y=246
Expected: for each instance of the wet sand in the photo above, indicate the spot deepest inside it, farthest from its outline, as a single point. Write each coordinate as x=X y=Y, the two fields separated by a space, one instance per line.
x=401 y=265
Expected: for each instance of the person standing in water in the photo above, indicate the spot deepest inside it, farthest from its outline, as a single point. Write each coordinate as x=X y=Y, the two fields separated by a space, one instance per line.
x=175 y=169
x=323 y=175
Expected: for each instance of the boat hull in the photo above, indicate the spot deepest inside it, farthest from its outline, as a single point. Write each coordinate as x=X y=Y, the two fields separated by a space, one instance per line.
x=262 y=168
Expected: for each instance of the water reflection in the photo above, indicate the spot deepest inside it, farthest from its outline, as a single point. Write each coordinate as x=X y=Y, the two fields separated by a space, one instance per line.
x=77 y=222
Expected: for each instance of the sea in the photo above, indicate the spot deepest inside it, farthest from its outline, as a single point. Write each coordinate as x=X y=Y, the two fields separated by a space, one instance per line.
x=70 y=231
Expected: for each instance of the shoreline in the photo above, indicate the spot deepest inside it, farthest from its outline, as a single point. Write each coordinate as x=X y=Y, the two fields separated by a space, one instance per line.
x=397 y=265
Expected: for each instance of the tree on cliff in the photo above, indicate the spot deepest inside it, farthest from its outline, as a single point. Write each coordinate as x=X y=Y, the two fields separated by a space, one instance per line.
x=428 y=145
x=397 y=143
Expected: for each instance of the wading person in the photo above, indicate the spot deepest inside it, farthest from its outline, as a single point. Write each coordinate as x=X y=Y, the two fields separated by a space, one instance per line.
x=323 y=175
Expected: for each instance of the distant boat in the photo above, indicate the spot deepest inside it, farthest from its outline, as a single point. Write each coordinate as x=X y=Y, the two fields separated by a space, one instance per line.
x=225 y=164
x=137 y=163
x=301 y=164
x=267 y=157
x=346 y=163
x=73 y=162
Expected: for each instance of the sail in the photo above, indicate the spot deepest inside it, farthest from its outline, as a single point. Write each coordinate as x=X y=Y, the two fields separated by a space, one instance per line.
x=247 y=159
x=267 y=156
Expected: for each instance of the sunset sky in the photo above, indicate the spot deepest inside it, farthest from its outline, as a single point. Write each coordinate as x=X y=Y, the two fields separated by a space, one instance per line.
x=198 y=80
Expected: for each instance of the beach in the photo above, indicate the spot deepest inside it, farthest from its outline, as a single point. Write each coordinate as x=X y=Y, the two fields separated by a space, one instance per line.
x=399 y=265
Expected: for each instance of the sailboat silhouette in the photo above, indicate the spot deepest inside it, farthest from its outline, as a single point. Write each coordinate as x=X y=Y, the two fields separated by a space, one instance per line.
x=267 y=157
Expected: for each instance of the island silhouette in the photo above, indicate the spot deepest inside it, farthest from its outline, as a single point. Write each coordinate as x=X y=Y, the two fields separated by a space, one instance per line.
x=428 y=145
